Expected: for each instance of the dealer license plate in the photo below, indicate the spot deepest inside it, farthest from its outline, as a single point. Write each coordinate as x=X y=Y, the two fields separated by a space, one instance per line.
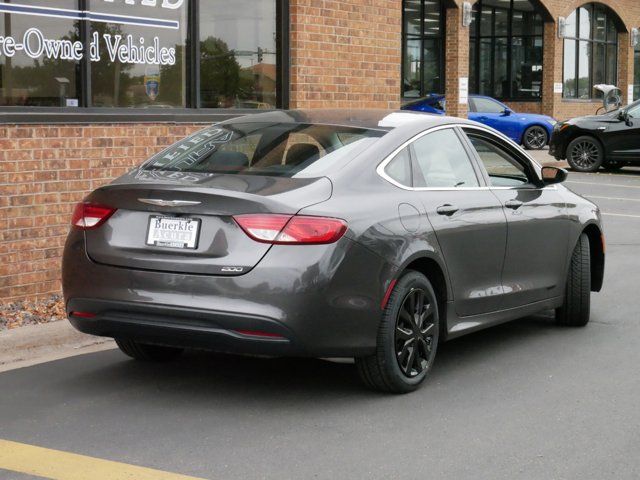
x=173 y=232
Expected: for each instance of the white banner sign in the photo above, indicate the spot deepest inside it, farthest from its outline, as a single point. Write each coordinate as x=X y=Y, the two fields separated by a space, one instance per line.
x=630 y=94
x=557 y=87
x=463 y=90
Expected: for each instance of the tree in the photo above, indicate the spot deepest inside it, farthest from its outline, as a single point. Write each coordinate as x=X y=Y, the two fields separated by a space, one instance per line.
x=219 y=73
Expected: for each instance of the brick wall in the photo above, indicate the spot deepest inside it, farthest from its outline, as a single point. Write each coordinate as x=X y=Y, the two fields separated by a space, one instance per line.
x=345 y=54
x=553 y=104
x=44 y=171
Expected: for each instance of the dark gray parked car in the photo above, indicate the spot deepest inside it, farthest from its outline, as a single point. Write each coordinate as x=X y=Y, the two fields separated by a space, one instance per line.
x=365 y=234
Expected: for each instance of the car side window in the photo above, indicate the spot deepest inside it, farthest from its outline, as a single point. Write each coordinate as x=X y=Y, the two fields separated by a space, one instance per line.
x=634 y=112
x=399 y=169
x=503 y=169
x=442 y=161
x=484 y=105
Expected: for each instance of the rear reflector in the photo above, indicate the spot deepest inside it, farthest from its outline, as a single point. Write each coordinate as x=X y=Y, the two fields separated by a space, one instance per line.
x=88 y=215
x=256 y=333
x=291 y=230
x=82 y=314
x=387 y=295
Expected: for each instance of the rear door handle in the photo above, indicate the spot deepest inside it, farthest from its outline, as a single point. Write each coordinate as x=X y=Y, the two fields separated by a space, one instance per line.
x=513 y=204
x=447 y=210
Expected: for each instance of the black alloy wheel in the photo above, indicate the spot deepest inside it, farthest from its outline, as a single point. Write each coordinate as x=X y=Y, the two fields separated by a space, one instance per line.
x=414 y=334
x=535 y=138
x=584 y=154
x=407 y=338
x=576 y=309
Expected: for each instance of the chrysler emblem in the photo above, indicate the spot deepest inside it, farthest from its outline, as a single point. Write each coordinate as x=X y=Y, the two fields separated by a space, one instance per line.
x=168 y=203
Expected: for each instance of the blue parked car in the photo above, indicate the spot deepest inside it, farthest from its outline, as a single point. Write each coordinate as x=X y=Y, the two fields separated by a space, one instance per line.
x=531 y=130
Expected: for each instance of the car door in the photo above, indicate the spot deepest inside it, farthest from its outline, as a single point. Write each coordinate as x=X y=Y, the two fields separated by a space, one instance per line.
x=537 y=222
x=492 y=113
x=622 y=139
x=467 y=218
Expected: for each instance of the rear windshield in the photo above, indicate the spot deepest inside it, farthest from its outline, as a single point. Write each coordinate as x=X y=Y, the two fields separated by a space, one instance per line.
x=272 y=149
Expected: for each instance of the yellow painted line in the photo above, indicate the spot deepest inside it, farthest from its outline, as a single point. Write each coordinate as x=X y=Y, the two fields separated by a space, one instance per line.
x=57 y=465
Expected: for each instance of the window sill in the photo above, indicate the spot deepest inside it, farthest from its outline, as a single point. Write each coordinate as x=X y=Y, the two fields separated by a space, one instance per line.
x=582 y=100
x=42 y=115
x=520 y=100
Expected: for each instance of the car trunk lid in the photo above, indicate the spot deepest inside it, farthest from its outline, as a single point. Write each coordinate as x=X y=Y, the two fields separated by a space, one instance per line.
x=158 y=213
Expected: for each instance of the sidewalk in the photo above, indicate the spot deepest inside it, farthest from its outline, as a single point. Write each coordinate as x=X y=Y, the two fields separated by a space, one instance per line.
x=33 y=344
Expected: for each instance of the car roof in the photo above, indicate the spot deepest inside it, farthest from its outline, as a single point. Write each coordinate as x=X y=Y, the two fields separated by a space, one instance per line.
x=376 y=119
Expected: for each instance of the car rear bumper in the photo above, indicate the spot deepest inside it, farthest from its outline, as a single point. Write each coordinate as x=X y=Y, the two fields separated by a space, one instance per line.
x=321 y=300
x=183 y=327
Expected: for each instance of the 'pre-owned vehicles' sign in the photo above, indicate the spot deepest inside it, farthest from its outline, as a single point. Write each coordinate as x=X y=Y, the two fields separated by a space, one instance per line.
x=122 y=48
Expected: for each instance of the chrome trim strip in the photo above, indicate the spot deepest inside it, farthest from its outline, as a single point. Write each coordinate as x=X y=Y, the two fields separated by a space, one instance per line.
x=168 y=203
x=380 y=169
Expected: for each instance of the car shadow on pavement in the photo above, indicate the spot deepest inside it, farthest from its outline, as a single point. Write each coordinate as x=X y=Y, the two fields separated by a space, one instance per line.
x=203 y=377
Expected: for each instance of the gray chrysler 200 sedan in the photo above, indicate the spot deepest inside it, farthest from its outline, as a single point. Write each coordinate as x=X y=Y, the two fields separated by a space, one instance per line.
x=366 y=234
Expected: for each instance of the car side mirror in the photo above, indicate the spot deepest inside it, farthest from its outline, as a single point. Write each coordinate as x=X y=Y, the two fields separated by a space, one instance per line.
x=507 y=112
x=551 y=175
x=624 y=117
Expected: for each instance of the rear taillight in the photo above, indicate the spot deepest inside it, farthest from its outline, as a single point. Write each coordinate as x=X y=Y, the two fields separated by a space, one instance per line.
x=88 y=215
x=291 y=230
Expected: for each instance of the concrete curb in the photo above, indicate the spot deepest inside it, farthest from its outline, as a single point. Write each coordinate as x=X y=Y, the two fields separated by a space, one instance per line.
x=34 y=344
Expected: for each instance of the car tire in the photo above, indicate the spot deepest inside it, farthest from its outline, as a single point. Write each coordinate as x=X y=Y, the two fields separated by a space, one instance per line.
x=585 y=154
x=535 y=138
x=406 y=343
x=146 y=352
x=577 y=298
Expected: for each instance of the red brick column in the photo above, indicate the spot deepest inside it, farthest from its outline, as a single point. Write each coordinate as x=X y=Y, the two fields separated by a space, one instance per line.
x=625 y=64
x=551 y=69
x=457 y=61
x=345 y=54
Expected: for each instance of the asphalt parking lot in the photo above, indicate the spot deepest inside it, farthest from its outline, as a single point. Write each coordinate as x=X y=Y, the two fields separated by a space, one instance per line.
x=524 y=400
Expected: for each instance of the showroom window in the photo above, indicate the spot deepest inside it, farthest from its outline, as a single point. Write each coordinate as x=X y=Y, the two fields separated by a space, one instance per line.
x=590 y=51
x=422 y=48
x=29 y=78
x=506 y=44
x=238 y=54
x=135 y=54
x=150 y=71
